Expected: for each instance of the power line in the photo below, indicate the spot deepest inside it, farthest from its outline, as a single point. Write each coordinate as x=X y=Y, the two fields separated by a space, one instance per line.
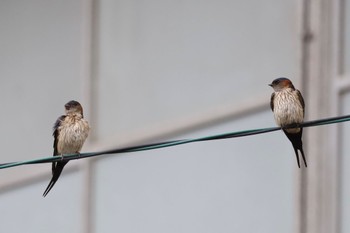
x=159 y=145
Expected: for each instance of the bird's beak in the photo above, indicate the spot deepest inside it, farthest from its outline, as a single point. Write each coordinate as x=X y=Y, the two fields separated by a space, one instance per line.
x=270 y=85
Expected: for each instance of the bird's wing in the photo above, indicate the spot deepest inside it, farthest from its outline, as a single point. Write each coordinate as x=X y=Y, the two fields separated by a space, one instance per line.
x=272 y=100
x=301 y=99
x=55 y=135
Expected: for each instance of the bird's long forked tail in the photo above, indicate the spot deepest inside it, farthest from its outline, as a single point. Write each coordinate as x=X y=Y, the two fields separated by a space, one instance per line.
x=55 y=175
x=295 y=139
x=297 y=155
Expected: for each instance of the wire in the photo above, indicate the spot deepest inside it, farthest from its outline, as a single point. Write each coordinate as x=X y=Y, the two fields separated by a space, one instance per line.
x=159 y=145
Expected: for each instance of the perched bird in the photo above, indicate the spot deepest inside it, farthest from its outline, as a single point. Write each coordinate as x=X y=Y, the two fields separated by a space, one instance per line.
x=70 y=132
x=288 y=107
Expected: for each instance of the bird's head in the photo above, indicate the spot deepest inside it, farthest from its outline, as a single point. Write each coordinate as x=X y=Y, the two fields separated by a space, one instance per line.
x=281 y=83
x=73 y=107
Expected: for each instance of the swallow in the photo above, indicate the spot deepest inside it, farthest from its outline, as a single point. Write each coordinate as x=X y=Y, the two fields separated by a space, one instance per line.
x=70 y=132
x=288 y=107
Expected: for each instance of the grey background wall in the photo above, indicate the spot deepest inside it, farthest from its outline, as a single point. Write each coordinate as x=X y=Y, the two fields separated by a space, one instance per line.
x=156 y=70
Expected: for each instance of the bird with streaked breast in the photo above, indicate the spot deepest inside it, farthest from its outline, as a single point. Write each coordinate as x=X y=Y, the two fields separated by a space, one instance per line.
x=288 y=107
x=70 y=133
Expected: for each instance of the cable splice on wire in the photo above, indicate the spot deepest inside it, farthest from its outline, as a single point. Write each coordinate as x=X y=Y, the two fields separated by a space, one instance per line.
x=159 y=145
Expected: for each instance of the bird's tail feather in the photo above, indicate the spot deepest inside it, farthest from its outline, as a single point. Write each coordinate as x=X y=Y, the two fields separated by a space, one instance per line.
x=56 y=174
x=303 y=155
x=295 y=139
x=297 y=155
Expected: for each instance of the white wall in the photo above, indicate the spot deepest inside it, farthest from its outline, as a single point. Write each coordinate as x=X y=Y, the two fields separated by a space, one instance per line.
x=40 y=70
x=234 y=185
x=162 y=61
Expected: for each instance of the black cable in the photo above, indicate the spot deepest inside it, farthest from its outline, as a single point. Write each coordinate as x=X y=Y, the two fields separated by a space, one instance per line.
x=159 y=145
